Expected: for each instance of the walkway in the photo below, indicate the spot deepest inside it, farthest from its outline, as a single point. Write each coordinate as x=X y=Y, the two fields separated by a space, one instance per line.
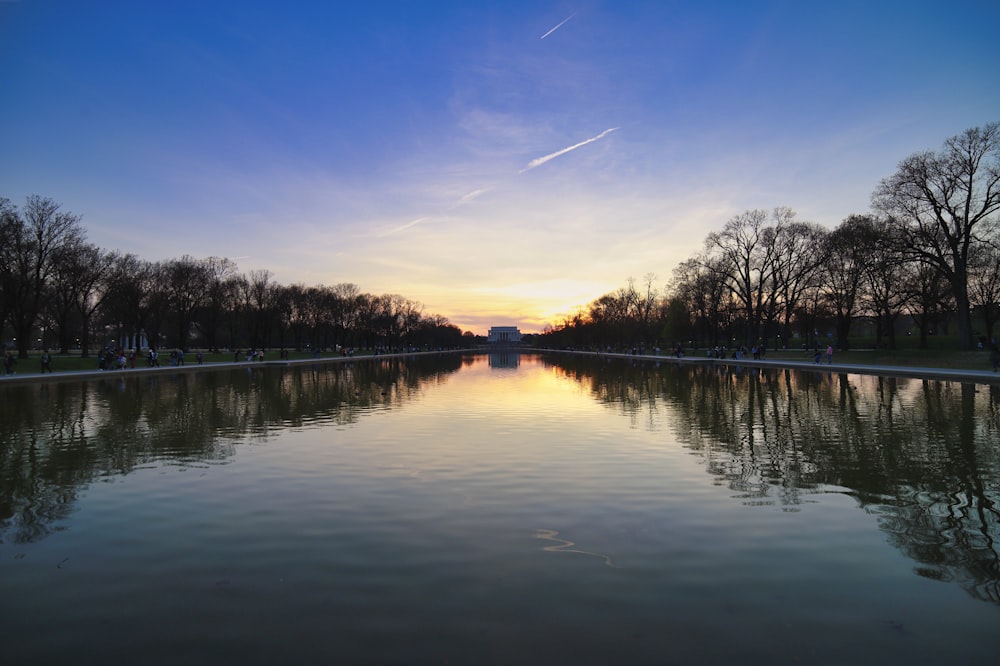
x=948 y=374
x=36 y=376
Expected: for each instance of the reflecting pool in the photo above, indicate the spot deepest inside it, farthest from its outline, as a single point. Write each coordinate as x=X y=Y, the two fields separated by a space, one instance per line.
x=499 y=509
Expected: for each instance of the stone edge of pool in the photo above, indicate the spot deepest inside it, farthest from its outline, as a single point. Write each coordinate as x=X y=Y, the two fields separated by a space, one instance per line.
x=949 y=374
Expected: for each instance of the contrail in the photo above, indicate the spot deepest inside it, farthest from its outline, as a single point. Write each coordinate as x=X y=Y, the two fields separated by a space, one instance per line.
x=471 y=196
x=401 y=228
x=558 y=26
x=542 y=160
x=475 y=194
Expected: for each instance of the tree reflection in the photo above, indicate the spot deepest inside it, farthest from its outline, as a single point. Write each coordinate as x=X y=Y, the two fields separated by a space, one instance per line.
x=919 y=455
x=56 y=439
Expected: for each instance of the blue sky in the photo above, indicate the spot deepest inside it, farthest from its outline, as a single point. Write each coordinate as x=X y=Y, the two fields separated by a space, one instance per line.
x=499 y=162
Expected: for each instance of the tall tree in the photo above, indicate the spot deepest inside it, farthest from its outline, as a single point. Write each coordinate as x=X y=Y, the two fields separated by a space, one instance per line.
x=984 y=285
x=218 y=296
x=746 y=248
x=799 y=257
x=136 y=300
x=843 y=275
x=34 y=242
x=186 y=282
x=941 y=201
x=700 y=285
x=10 y=225
x=883 y=269
x=927 y=300
x=80 y=282
x=258 y=299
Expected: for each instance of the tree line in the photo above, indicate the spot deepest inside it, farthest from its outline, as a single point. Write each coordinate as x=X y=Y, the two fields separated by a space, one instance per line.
x=928 y=250
x=58 y=290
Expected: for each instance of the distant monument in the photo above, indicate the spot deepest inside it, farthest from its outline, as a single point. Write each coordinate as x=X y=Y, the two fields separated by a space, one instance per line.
x=504 y=335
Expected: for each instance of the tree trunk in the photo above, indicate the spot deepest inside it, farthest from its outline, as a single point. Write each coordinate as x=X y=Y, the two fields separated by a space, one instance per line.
x=843 y=331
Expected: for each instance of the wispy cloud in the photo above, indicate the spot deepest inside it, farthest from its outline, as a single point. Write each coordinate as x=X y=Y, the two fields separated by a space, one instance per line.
x=561 y=24
x=471 y=196
x=551 y=156
x=402 y=227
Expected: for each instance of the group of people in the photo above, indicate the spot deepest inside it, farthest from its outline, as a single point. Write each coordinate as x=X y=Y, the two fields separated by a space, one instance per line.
x=757 y=352
x=252 y=355
x=114 y=359
x=818 y=354
x=120 y=359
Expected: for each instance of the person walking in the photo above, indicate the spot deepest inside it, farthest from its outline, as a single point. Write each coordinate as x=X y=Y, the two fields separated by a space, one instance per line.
x=829 y=354
x=46 y=362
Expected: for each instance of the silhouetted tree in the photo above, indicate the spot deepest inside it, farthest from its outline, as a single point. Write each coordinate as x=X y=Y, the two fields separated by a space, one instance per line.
x=214 y=308
x=843 y=273
x=941 y=201
x=33 y=241
x=746 y=251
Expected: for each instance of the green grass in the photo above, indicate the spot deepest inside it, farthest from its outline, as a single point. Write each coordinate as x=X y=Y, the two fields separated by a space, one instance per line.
x=922 y=358
x=942 y=352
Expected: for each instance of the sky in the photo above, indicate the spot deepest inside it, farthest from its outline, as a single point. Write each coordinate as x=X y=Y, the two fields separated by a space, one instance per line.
x=500 y=162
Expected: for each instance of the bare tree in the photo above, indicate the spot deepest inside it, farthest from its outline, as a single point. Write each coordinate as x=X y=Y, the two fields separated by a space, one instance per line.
x=984 y=285
x=297 y=303
x=214 y=307
x=941 y=201
x=35 y=238
x=647 y=308
x=258 y=300
x=799 y=258
x=345 y=305
x=927 y=299
x=10 y=225
x=80 y=280
x=135 y=301
x=746 y=250
x=702 y=288
x=186 y=282
x=885 y=268
x=843 y=275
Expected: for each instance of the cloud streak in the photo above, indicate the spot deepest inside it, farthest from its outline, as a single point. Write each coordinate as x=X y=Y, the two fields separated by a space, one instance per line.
x=472 y=196
x=551 y=156
x=561 y=24
x=403 y=227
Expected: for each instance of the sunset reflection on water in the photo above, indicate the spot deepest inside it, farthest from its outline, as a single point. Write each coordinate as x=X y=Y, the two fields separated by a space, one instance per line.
x=433 y=507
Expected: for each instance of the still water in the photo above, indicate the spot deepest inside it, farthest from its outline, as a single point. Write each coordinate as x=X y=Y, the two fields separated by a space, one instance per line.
x=499 y=509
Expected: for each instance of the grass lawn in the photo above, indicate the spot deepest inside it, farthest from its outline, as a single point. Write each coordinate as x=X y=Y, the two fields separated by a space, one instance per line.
x=923 y=358
x=74 y=362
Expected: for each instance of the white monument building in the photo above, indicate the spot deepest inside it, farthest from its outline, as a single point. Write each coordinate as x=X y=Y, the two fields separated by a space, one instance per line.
x=504 y=335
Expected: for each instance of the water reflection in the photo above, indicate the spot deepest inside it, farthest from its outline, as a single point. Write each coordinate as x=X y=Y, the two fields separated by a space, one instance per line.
x=504 y=359
x=920 y=455
x=58 y=438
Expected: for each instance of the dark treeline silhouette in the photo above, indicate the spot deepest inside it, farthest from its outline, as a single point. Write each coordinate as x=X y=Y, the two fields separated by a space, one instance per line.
x=57 y=290
x=928 y=252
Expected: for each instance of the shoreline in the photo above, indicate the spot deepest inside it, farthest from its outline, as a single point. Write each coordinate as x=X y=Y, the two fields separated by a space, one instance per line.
x=944 y=374
x=70 y=375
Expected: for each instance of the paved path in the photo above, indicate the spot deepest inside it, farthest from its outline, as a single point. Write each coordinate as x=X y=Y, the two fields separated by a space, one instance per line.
x=36 y=376
x=952 y=374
